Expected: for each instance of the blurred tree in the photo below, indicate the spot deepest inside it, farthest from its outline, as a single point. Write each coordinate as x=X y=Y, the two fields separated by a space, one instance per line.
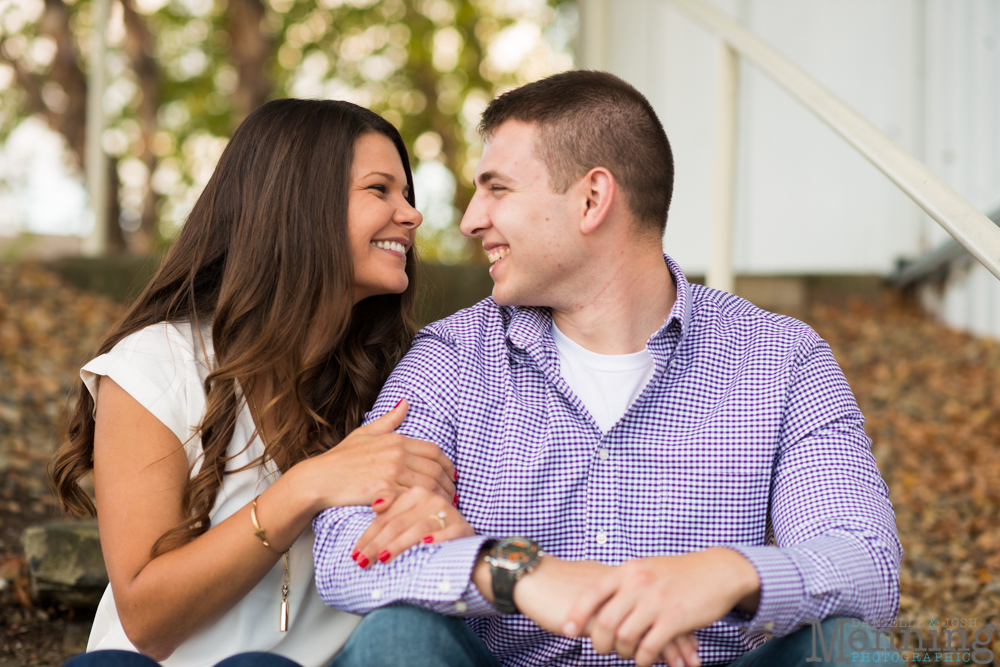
x=183 y=73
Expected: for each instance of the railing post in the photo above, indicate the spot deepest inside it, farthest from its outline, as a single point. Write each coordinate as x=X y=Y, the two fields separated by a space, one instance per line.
x=95 y=160
x=720 y=266
x=594 y=51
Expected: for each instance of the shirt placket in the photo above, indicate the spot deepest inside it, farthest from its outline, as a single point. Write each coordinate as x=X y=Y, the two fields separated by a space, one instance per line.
x=604 y=494
x=601 y=524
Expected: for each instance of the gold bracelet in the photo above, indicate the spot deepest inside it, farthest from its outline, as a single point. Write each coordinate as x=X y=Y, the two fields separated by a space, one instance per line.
x=258 y=531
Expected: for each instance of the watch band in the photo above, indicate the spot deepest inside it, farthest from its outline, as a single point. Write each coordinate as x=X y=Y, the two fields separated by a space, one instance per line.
x=510 y=559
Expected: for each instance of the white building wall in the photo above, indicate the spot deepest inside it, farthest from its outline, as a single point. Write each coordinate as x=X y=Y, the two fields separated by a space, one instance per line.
x=926 y=72
x=962 y=103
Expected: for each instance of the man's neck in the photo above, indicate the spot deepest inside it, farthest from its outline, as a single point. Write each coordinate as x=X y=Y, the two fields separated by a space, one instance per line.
x=621 y=307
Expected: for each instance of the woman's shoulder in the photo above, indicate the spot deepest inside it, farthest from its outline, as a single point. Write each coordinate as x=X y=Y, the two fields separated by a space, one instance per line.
x=162 y=366
x=159 y=361
x=175 y=343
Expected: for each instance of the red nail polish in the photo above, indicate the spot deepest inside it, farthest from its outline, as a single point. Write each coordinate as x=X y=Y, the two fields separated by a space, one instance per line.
x=397 y=404
x=380 y=500
x=354 y=554
x=456 y=475
x=363 y=561
x=428 y=539
x=384 y=555
x=454 y=500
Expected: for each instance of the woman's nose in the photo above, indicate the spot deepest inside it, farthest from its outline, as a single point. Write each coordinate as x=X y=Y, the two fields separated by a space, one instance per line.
x=408 y=216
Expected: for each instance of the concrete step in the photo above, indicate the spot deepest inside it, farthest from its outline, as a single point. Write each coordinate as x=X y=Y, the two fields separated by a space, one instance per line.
x=65 y=563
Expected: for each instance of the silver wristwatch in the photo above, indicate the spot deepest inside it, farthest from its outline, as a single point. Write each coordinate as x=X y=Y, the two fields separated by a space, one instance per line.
x=509 y=560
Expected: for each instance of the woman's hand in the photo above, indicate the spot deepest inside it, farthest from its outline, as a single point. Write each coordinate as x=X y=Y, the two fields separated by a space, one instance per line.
x=373 y=465
x=412 y=518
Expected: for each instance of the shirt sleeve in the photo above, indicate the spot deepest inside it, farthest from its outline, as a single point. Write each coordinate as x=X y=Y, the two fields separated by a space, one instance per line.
x=432 y=576
x=837 y=552
x=159 y=368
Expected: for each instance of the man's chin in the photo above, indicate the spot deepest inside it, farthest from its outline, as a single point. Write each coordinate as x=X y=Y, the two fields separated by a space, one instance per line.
x=500 y=299
x=504 y=297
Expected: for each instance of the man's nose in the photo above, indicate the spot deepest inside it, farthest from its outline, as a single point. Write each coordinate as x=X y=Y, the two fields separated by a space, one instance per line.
x=475 y=221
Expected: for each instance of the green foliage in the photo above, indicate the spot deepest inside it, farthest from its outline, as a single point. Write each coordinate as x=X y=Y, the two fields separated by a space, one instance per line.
x=428 y=66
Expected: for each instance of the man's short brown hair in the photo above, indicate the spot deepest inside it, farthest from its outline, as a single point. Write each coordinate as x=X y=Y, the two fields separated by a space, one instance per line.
x=590 y=119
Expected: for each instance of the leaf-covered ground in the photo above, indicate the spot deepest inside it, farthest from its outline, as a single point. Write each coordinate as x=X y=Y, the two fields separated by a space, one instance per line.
x=932 y=401
x=931 y=396
x=46 y=331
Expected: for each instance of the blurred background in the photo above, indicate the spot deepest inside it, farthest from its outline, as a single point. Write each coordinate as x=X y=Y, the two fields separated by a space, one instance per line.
x=181 y=74
x=114 y=112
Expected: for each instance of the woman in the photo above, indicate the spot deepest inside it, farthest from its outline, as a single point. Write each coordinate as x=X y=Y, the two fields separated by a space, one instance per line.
x=222 y=413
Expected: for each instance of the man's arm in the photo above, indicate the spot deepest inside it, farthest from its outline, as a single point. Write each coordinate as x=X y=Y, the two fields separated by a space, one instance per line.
x=837 y=548
x=432 y=576
x=837 y=552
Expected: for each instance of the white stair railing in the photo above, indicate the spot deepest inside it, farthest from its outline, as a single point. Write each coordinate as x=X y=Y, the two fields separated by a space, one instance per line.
x=964 y=222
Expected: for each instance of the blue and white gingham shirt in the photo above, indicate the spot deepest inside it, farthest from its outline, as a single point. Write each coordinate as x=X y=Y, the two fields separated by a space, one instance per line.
x=747 y=418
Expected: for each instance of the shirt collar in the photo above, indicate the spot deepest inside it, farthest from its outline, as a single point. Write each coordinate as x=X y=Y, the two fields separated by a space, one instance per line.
x=532 y=324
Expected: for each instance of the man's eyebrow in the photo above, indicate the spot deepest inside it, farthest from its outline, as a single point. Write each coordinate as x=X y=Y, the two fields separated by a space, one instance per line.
x=488 y=176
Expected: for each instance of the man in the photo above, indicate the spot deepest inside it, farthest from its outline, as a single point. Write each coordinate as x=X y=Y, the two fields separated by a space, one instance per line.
x=686 y=461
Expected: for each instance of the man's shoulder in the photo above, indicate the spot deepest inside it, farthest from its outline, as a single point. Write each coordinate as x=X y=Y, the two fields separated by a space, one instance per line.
x=712 y=309
x=468 y=327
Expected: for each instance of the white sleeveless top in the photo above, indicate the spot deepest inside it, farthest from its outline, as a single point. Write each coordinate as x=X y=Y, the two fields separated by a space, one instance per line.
x=163 y=367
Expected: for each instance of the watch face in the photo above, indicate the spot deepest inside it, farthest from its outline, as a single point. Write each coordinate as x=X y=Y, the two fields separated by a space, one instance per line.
x=518 y=556
x=514 y=553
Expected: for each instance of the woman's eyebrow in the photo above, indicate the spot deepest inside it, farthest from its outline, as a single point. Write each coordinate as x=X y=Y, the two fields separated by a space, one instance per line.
x=388 y=177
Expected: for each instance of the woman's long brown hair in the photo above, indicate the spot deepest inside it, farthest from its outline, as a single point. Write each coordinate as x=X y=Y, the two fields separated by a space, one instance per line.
x=265 y=257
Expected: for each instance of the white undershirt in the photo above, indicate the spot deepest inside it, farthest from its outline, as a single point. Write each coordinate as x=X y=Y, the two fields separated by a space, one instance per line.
x=608 y=384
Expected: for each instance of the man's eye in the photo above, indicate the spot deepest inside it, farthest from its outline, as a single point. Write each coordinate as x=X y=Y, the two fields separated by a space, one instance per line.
x=497 y=188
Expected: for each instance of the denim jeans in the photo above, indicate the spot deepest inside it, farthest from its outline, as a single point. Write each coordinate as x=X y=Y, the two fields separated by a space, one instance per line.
x=408 y=636
x=831 y=645
x=415 y=637
x=396 y=636
x=130 y=659
x=390 y=637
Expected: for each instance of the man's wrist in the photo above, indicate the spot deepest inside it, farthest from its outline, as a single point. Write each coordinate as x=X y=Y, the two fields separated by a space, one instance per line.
x=510 y=559
x=481 y=575
x=528 y=581
x=746 y=578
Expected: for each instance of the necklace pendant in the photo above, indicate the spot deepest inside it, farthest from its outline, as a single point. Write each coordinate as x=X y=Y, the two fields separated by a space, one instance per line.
x=283 y=625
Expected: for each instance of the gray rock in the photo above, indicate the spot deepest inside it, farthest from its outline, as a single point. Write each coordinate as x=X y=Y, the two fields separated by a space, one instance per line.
x=65 y=562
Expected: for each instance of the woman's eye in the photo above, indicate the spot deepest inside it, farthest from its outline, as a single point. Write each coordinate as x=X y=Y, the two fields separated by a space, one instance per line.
x=379 y=188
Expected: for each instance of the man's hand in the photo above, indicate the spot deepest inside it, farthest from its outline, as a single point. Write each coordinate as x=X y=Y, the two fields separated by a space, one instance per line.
x=547 y=594
x=646 y=609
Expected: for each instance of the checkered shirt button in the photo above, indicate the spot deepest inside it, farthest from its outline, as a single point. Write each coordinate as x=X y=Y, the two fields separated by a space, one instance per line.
x=601 y=538
x=461 y=607
x=602 y=454
x=444 y=586
x=376 y=594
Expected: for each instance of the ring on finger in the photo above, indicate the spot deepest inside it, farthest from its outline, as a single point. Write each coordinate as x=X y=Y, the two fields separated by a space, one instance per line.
x=439 y=517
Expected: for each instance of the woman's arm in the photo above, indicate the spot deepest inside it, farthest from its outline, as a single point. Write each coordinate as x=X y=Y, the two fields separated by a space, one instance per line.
x=140 y=472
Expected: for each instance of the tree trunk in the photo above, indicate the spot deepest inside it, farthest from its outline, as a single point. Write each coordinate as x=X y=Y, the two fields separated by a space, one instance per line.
x=251 y=49
x=139 y=48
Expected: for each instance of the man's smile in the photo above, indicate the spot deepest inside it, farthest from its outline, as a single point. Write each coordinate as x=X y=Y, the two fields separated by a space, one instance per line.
x=496 y=254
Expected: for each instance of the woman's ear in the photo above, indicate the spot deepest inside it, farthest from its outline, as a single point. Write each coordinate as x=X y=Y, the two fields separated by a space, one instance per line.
x=598 y=188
